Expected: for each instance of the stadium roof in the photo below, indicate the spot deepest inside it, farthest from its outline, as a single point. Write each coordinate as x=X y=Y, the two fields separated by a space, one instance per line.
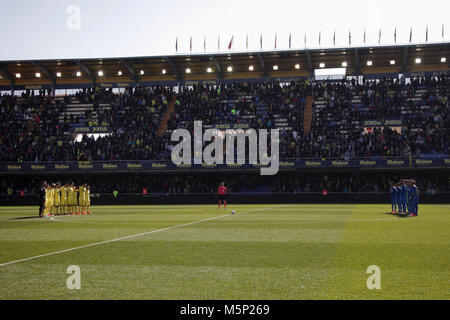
x=265 y=64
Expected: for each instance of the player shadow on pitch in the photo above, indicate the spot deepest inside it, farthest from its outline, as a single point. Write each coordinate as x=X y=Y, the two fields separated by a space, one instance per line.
x=23 y=218
x=394 y=214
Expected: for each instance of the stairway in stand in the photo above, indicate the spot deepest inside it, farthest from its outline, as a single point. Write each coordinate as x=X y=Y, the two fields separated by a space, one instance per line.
x=163 y=125
x=307 y=117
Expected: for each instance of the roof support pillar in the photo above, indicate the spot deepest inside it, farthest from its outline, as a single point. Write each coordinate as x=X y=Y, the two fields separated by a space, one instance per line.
x=131 y=70
x=263 y=66
x=218 y=67
x=174 y=68
x=48 y=73
x=357 y=69
x=88 y=71
x=405 y=59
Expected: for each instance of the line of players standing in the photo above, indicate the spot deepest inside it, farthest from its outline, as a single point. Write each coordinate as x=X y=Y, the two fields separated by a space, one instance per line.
x=57 y=199
x=405 y=197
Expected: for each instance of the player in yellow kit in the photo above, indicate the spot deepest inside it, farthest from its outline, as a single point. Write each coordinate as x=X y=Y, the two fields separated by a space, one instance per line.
x=63 y=190
x=47 y=200
x=88 y=199
x=57 y=195
x=84 y=199
x=70 y=198
x=50 y=200
x=76 y=208
x=81 y=195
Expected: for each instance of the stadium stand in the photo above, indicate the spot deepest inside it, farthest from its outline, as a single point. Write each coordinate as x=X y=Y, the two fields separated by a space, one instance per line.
x=378 y=123
x=41 y=127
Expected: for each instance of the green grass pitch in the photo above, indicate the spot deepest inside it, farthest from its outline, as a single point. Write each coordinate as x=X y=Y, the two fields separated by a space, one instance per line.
x=196 y=252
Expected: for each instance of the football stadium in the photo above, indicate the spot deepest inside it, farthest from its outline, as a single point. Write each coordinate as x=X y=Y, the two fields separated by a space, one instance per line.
x=275 y=172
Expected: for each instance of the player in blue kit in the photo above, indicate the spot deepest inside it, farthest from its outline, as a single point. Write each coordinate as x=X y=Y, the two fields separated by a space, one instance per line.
x=403 y=197
x=414 y=199
x=393 y=191
x=409 y=199
x=407 y=194
x=396 y=196
x=400 y=197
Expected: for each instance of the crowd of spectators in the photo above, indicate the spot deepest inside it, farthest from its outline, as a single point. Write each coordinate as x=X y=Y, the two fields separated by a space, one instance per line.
x=337 y=126
x=32 y=130
x=35 y=127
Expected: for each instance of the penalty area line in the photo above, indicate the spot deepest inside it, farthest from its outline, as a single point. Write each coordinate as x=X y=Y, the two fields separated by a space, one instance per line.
x=122 y=238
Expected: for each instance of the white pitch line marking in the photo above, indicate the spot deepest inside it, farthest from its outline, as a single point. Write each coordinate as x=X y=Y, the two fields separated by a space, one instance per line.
x=126 y=237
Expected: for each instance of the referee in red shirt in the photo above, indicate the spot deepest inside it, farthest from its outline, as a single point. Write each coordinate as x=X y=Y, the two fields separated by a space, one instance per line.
x=222 y=190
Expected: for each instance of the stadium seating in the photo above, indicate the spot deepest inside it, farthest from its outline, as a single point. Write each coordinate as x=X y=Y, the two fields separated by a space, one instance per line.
x=41 y=127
